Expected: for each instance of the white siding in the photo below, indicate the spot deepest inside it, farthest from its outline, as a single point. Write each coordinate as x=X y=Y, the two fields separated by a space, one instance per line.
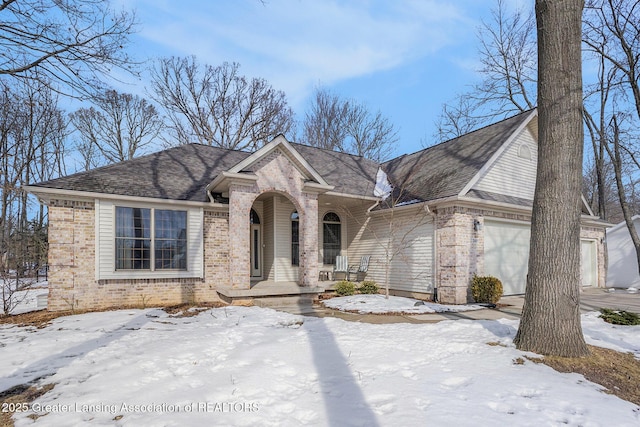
x=622 y=271
x=512 y=175
x=411 y=269
x=268 y=229
x=284 y=271
x=105 y=243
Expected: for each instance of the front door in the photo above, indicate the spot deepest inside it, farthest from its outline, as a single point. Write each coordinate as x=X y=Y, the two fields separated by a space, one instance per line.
x=256 y=252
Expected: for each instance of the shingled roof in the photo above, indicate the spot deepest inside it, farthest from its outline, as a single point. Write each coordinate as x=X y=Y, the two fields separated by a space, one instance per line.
x=183 y=172
x=443 y=170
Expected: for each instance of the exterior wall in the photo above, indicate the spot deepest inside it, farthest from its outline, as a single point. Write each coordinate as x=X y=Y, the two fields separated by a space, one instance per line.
x=411 y=269
x=511 y=174
x=268 y=236
x=622 y=271
x=284 y=270
x=460 y=253
x=461 y=249
x=72 y=262
x=276 y=174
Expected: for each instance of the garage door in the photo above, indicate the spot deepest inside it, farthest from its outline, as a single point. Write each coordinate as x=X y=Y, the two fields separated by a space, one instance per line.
x=506 y=254
x=589 y=274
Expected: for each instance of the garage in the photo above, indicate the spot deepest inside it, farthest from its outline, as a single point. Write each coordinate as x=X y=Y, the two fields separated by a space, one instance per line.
x=506 y=255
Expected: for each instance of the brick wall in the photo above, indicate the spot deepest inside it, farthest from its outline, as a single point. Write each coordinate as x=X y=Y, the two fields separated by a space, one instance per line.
x=72 y=282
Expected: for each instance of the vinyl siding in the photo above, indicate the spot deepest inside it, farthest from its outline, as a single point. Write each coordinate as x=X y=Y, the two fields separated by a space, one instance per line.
x=284 y=271
x=411 y=269
x=105 y=243
x=268 y=231
x=512 y=175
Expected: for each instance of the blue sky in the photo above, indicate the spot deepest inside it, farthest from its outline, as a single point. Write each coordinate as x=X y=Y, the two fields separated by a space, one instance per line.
x=402 y=57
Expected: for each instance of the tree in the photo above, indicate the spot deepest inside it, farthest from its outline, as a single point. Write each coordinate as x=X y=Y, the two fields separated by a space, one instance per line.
x=120 y=126
x=508 y=61
x=64 y=45
x=551 y=314
x=348 y=126
x=218 y=106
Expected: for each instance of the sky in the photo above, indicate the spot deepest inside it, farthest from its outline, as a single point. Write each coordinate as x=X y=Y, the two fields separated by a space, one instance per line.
x=404 y=58
x=251 y=366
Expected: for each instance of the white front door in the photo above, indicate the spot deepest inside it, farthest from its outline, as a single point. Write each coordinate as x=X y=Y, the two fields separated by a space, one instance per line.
x=256 y=251
x=589 y=263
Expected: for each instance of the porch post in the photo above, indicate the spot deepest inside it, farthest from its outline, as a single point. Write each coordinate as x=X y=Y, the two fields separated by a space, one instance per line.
x=240 y=201
x=308 y=275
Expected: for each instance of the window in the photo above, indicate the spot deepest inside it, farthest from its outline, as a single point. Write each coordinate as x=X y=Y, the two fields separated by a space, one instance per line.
x=295 y=239
x=331 y=238
x=150 y=239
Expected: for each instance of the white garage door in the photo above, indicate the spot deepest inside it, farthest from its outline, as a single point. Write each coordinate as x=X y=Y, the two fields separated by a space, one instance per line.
x=589 y=275
x=506 y=254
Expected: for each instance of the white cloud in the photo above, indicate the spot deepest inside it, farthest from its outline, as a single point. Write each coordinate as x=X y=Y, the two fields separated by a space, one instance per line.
x=295 y=44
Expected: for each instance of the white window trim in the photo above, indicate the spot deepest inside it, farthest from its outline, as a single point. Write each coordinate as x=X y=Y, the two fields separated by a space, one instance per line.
x=105 y=265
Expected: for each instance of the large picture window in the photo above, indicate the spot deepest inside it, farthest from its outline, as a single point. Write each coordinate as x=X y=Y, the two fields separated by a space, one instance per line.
x=331 y=238
x=150 y=239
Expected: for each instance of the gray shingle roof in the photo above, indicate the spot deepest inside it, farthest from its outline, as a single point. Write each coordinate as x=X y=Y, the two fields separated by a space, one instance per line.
x=183 y=172
x=444 y=169
x=179 y=173
x=348 y=173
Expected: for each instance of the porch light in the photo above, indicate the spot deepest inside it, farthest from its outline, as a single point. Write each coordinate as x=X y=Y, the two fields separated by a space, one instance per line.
x=477 y=225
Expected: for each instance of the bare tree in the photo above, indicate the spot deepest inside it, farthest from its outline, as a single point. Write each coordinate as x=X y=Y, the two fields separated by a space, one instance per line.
x=218 y=106
x=32 y=135
x=120 y=126
x=347 y=126
x=615 y=153
x=71 y=45
x=551 y=315
x=508 y=61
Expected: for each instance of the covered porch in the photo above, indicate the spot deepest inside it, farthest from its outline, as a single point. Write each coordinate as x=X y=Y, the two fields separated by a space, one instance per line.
x=267 y=293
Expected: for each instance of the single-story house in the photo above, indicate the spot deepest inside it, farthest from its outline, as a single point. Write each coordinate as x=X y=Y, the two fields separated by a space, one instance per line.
x=200 y=223
x=622 y=265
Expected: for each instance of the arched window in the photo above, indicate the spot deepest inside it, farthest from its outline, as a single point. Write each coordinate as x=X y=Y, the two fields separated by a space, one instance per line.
x=331 y=237
x=253 y=217
x=295 y=239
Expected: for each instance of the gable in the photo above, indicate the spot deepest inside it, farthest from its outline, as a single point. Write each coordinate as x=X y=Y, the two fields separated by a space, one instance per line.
x=513 y=172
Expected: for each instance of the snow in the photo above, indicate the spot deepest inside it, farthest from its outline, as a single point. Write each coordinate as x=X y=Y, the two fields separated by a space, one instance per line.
x=378 y=304
x=248 y=366
x=382 y=188
x=27 y=300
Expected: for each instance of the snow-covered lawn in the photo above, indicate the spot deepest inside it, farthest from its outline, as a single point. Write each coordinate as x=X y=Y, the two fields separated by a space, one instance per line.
x=250 y=366
x=27 y=300
x=378 y=304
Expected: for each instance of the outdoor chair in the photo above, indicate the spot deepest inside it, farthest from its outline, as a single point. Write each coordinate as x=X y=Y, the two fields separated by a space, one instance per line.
x=341 y=267
x=360 y=270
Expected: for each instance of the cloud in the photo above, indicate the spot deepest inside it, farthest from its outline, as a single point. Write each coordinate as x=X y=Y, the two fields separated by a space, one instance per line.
x=294 y=44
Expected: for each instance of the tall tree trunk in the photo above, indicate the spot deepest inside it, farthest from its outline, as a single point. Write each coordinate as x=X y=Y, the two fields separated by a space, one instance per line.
x=551 y=315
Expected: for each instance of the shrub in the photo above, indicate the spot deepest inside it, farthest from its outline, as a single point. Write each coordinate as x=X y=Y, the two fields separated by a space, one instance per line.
x=368 y=287
x=344 y=288
x=486 y=289
x=619 y=317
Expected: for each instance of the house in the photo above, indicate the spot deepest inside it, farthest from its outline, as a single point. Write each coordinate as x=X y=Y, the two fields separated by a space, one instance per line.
x=622 y=265
x=199 y=223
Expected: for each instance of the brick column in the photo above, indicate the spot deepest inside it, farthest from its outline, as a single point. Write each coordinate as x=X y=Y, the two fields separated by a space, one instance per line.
x=240 y=201
x=460 y=250
x=309 y=236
